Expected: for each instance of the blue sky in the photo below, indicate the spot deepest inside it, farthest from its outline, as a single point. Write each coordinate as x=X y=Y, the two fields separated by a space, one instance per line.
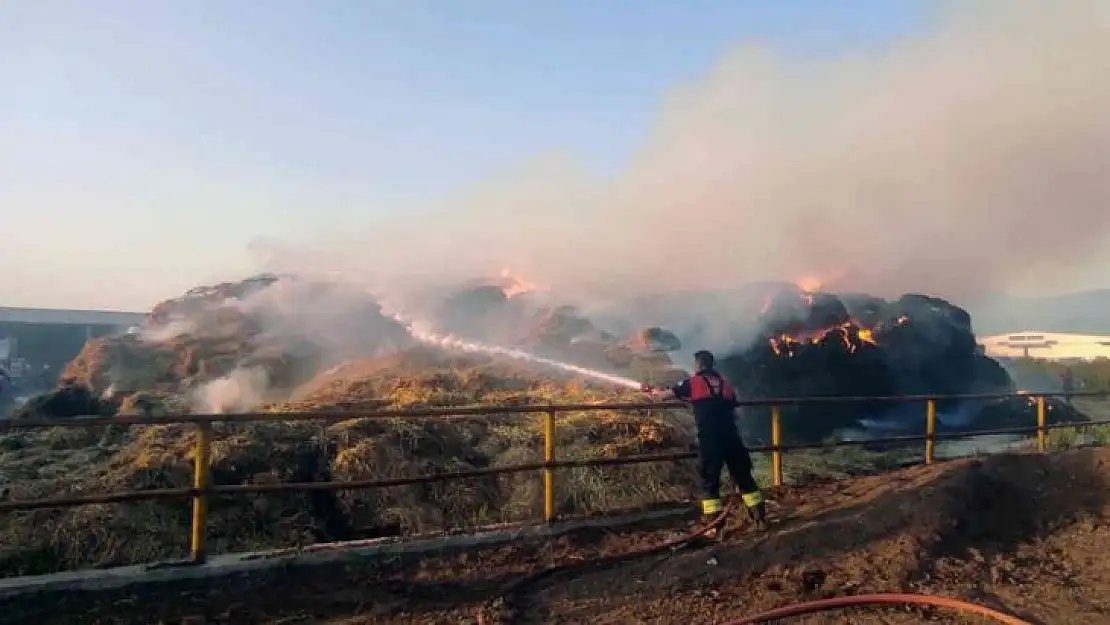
x=145 y=144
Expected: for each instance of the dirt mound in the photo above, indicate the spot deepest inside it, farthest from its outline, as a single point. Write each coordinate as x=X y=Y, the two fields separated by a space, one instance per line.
x=973 y=529
x=1024 y=534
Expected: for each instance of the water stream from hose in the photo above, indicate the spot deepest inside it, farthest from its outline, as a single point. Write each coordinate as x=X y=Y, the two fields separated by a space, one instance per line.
x=448 y=341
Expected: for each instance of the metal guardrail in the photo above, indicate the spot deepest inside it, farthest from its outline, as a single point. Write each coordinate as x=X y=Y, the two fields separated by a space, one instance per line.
x=202 y=489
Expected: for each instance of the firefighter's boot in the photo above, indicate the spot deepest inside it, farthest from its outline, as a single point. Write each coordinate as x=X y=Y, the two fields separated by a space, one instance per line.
x=758 y=515
x=757 y=510
x=711 y=509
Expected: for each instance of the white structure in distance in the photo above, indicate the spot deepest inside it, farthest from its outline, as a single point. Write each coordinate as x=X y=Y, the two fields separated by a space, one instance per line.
x=1047 y=346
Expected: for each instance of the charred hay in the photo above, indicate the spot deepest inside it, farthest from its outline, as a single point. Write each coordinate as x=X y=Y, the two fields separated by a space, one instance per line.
x=825 y=345
x=69 y=400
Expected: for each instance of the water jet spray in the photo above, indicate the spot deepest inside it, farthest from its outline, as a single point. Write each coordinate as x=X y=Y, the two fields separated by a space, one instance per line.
x=447 y=341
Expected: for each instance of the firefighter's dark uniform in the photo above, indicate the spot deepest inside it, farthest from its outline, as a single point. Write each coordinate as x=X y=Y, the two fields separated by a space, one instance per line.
x=713 y=401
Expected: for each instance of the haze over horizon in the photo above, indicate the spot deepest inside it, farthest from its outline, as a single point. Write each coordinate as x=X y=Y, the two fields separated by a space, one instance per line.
x=152 y=147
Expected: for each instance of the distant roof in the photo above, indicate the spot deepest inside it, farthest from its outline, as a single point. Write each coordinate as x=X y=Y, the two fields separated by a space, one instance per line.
x=71 y=317
x=1048 y=345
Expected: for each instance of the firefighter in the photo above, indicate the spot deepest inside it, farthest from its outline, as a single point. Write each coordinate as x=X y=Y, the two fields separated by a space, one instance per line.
x=716 y=411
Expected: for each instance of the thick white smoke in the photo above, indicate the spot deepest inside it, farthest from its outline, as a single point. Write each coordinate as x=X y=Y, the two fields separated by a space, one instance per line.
x=970 y=157
x=239 y=391
x=274 y=336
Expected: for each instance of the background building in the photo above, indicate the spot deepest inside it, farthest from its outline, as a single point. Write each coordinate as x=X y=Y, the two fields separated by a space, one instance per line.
x=39 y=341
x=1047 y=345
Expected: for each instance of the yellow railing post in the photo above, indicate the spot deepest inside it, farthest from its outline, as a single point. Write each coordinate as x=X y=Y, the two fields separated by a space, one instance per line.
x=776 y=444
x=1042 y=431
x=200 y=482
x=930 y=430
x=549 y=472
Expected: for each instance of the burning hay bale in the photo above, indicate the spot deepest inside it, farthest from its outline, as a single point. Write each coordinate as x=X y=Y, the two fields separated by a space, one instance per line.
x=824 y=345
x=483 y=312
x=559 y=327
x=200 y=300
x=499 y=314
x=644 y=356
x=654 y=339
x=506 y=314
x=234 y=345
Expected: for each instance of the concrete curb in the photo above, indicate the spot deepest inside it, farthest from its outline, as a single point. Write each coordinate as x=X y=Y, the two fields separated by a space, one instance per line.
x=314 y=555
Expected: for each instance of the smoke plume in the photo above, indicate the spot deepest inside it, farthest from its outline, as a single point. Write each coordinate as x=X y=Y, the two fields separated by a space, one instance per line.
x=966 y=159
x=239 y=391
x=232 y=346
x=971 y=156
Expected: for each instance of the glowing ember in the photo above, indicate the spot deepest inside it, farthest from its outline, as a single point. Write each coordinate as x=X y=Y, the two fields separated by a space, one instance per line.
x=847 y=334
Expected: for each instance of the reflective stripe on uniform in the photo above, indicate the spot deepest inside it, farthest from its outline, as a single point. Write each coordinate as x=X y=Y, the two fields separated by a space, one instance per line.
x=711 y=506
x=752 y=499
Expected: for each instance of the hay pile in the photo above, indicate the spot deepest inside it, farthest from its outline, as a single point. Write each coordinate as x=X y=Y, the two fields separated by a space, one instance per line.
x=311 y=347
x=70 y=399
x=273 y=332
x=59 y=461
x=499 y=313
x=854 y=345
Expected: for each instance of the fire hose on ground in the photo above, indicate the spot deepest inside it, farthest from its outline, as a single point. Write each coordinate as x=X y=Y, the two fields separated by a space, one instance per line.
x=799 y=609
x=836 y=603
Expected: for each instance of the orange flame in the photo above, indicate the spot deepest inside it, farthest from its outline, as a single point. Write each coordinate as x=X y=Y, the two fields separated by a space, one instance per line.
x=808 y=284
x=514 y=285
x=812 y=283
x=850 y=335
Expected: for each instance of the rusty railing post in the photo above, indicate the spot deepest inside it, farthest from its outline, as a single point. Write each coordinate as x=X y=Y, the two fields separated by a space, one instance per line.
x=200 y=499
x=548 y=471
x=930 y=430
x=1042 y=430
x=776 y=445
